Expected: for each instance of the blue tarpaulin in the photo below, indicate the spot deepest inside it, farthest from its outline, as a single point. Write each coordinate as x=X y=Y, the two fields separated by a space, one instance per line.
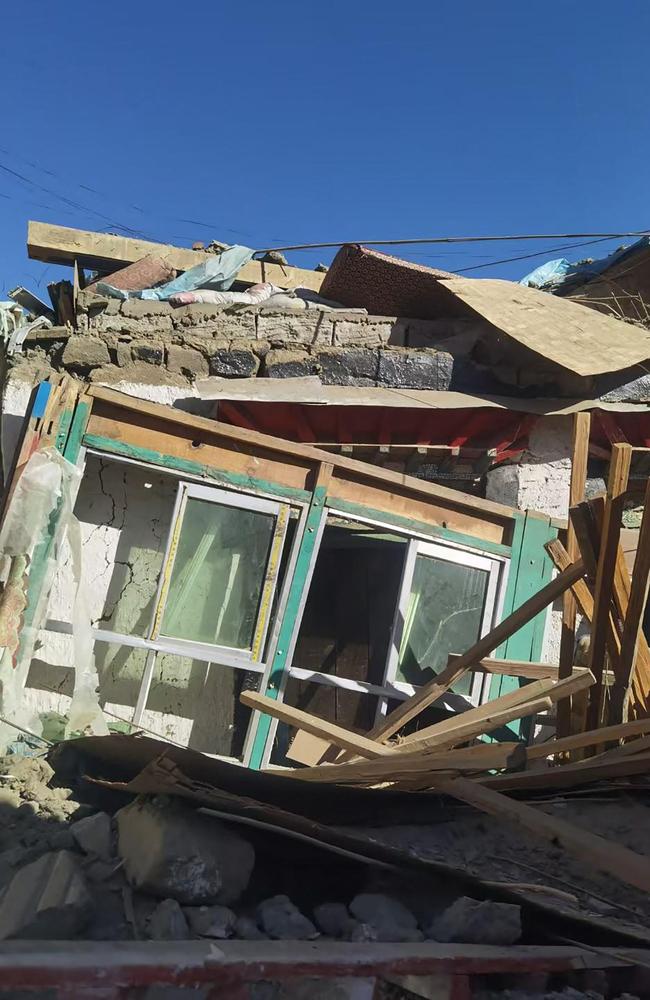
x=217 y=273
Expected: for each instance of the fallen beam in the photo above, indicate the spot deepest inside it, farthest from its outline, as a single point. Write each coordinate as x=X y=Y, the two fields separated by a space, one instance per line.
x=601 y=854
x=337 y=735
x=106 y=252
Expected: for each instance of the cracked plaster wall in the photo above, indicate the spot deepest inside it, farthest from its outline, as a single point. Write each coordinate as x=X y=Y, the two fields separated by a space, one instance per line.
x=125 y=514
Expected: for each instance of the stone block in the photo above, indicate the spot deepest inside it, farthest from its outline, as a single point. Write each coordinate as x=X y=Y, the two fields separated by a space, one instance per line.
x=302 y=329
x=168 y=922
x=137 y=373
x=334 y=920
x=137 y=326
x=362 y=333
x=280 y=363
x=348 y=366
x=389 y=918
x=151 y=351
x=145 y=308
x=82 y=354
x=211 y=921
x=282 y=920
x=93 y=835
x=235 y=363
x=171 y=851
x=247 y=930
x=123 y=354
x=186 y=361
x=408 y=368
x=46 y=900
x=474 y=921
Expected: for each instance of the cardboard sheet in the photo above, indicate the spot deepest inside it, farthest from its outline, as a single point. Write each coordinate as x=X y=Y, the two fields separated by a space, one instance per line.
x=577 y=338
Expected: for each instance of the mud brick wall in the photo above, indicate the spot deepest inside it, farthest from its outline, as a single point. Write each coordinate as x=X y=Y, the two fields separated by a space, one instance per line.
x=152 y=342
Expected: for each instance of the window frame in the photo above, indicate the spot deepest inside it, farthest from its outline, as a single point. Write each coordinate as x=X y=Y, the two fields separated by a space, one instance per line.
x=213 y=494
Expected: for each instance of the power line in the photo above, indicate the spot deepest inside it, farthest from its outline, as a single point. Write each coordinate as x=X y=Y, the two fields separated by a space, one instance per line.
x=527 y=256
x=457 y=239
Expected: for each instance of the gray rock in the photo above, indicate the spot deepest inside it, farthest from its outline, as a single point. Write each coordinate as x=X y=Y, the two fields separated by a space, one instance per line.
x=93 y=835
x=235 y=363
x=388 y=917
x=211 y=921
x=348 y=366
x=284 y=921
x=247 y=930
x=186 y=361
x=474 y=921
x=83 y=353
x=362 y=933
x=334 y=920
x=281 y=363
x=47 y=900
x=172 y=851
x=168 y=923
x=414 y=368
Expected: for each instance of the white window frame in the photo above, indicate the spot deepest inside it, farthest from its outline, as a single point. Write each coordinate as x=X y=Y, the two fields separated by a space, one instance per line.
x=391 y=689
x=461 y=557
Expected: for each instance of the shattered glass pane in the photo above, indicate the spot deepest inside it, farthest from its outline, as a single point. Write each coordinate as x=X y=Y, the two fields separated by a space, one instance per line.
x=218 y=574
x=444 y=615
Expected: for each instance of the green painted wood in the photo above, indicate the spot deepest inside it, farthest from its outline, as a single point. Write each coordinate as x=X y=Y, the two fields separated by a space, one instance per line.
x=530 y=569
x=420 y=527
x=290 y=621
x=234 y=479
x=76 y=431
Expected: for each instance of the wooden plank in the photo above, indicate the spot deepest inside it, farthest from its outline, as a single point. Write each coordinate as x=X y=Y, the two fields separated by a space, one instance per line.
x=429 y=693
x=485 y=757
x=634 y=616
x=311 y=724
x=487 y=717
x=580 y=589
x=571 y=775
x=601 y=854
x=591 y=738
x=579 y=457
x=468 y=729
x=529 y=692
x=604 y=586
x=201 y=430
x=103 y=251
x=514 y=668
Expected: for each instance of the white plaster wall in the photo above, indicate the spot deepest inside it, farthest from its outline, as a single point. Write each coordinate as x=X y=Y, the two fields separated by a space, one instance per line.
x=540 y=481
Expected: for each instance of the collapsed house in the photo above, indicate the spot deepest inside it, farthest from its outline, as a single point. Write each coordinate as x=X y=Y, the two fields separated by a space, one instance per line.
x=309 y=523
x=463 y=385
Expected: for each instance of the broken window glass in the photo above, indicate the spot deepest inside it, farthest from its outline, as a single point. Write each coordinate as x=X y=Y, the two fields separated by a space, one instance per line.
x=218 y=574
x=444 y=615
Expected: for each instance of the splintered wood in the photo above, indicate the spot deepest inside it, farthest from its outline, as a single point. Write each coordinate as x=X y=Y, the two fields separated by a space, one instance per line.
x=602 y=729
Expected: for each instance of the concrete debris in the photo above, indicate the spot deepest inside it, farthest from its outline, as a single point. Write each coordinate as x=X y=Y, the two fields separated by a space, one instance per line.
x=93 y=835
x=334 y=920
x=211 y=921
x=168 y=923
x=47 y=900
x=389 y=918
x=281 y=919
x=172 y=851
x=473 y=921
x=247 y=930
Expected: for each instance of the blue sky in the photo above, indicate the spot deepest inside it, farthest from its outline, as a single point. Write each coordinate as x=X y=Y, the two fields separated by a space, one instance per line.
x=296 y=122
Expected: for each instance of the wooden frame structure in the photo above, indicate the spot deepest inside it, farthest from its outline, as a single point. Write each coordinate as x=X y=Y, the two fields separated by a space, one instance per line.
x=113 y=425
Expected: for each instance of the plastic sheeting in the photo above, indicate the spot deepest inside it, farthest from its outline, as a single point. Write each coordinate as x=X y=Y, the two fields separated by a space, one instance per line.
x=216 y=272
x=31 y=543
x=547 y=275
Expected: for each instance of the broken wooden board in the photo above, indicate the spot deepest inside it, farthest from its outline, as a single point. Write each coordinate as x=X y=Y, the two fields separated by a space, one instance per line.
x=556 y=329
x=105 y=252
x=604 y=855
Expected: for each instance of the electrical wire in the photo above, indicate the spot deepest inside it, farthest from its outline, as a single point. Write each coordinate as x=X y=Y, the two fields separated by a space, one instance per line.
x=527 y=256
x=458 y=239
